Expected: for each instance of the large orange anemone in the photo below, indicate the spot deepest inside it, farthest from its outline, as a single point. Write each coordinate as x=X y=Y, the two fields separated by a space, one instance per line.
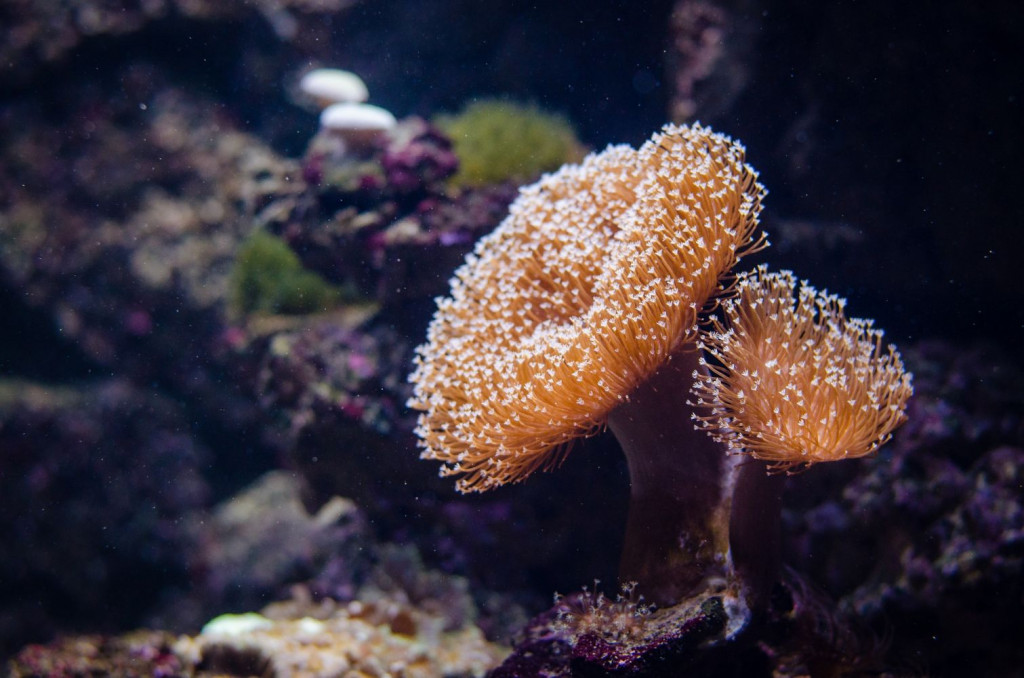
x=596 y=277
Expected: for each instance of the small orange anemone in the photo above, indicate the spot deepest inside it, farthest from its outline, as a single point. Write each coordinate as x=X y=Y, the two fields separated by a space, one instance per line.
x=793 y=381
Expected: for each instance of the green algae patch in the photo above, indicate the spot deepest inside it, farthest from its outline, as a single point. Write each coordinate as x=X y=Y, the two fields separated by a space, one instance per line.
x=268 y=277
x=498 y=141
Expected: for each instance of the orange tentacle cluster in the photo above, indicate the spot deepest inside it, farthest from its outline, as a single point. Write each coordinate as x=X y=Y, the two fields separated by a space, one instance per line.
x=793 y=381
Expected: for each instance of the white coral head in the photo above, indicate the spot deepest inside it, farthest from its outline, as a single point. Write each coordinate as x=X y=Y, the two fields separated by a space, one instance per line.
x=333 y=86
x=356 y=118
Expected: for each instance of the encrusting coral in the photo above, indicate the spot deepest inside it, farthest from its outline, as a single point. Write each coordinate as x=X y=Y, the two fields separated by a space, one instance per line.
x=583 y=310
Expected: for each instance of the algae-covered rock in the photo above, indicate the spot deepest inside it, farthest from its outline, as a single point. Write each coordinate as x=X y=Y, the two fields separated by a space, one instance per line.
x=269 y=277
x=498 y=141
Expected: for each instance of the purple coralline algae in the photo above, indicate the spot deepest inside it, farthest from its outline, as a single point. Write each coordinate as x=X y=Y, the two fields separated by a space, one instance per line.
x=587 y=634
x=141 y=654
x=926 y=543
x=324 y=371
x=373 y=216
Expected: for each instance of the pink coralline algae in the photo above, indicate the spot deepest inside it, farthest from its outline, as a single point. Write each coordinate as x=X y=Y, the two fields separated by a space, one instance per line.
x=418 y=157
x=324 y=371
x=372 y=216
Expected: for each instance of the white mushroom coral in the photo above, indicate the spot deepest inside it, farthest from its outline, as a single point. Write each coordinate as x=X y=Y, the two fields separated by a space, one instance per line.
x=356 y=126
x=356 y=118
x=329 y=86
